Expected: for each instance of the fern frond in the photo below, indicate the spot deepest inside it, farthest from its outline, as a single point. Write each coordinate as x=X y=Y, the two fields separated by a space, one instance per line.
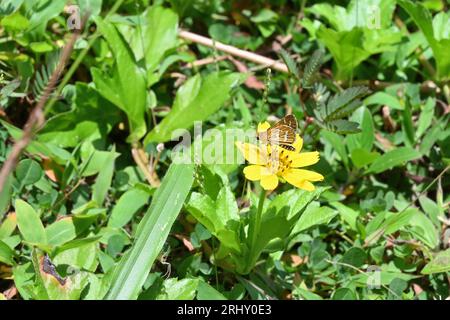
x=42 y=76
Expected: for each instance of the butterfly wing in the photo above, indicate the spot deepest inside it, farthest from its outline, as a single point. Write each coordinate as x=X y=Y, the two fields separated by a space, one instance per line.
x=289 y=121
x=281 y=135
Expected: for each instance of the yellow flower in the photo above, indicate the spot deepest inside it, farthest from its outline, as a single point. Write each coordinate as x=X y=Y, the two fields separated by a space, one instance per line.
x=269 y=168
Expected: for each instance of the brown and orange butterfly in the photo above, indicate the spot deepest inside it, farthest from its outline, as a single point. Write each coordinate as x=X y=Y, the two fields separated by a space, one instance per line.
x=282 y=134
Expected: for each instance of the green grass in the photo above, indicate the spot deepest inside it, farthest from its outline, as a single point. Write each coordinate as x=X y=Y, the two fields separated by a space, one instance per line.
x=131 y=186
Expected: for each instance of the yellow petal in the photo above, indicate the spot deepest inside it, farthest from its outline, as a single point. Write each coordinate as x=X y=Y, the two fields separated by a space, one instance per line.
x=298 y=182
x=304 y=159
x=255 y=172
x=301 y=174
x=298 y=143
x=306 y=185
x=251 y=153
x=269 y=182
x=263 y=126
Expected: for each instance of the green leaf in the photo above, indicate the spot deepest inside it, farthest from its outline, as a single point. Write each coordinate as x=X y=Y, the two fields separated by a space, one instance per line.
x=311 y=68
x=126 y=87
x=30 y=226
x=82 y=257
x=290 y=63
x=174 y=289
x=15 y=22
x=41 y=47
x=196 y=100
x=8 y=7
x=5 y=196
x=357 y=14
x=387 y=274
x=393 y=158
x=93 y=159
x=39 y=291
x=206 y=292
x=8 y=226
x=343 y=126
x=9 y=88
x=336 y=142
x=159 y=34
x=396 y=288
x=337 y=103
x=313 y=216
x=220 y=217
x=278 y=220
x=424 y=230
x=383 y=99
x=392 y=223
x=422 y=17
x=350 y=48
x=42 y=11
x=61 y=231
x=52 y=286
x=75 y=244
x=407 y=124
x=364 y=139
x=354 y=256
x=344 y=294
x=306 y=294
x=431 y=209
x=152 y=232
x=396 y=221
x=104 y=178
x=28 y=172
x=439 y=263
x=348 y=214
x=6 y=254
x=441 y=26
x=127 y=205
x=92 y=117
x=94 y=7
x=23 y=279
x=437 y=132
x=266 y=21
x=49 y=150
x=426 y=117
x=362 y=157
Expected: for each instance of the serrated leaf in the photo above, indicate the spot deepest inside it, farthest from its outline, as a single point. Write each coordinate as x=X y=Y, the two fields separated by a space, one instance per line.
x=290 y=63
x=312 y=67
x=345 y=111
x=7 y=90
x=343 y=126
x=340 y=100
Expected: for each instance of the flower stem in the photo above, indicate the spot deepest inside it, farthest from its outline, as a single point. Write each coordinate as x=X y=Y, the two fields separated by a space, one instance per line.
x=257 y=220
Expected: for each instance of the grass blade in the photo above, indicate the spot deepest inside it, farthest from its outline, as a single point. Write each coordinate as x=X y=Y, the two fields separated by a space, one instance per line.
x=152 y=232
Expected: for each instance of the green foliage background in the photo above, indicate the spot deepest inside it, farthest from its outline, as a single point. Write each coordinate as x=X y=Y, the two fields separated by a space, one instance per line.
x=368 y=81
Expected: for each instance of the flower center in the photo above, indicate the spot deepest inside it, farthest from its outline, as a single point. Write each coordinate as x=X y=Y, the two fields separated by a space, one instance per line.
x=279 y=162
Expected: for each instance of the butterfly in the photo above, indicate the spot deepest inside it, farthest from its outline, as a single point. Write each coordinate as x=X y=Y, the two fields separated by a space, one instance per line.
x=282 y=134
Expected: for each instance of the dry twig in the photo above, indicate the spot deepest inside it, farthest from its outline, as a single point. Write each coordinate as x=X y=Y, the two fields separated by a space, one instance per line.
x=36 y=118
